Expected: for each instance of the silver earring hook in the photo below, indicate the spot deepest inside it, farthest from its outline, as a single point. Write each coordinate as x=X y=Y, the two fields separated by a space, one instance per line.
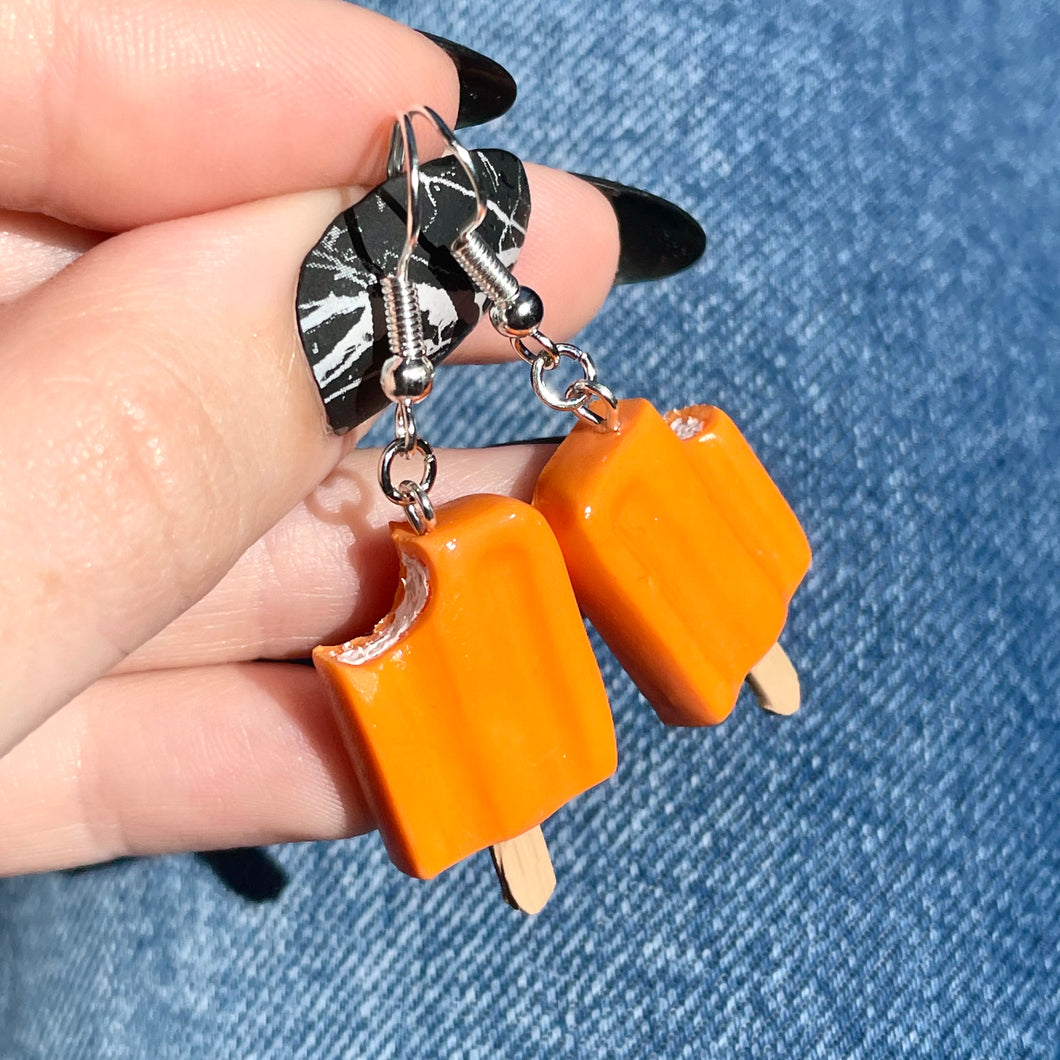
x=403 y=150
x=403 y=146
x=407 y=375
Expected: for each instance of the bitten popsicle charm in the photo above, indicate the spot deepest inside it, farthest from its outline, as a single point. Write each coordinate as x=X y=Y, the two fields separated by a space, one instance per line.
x=683 y=554
x=475 y=709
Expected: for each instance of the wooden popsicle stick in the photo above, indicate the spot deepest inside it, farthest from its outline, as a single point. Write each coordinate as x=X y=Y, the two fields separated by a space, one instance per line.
x=774 y=681
x=525 y=871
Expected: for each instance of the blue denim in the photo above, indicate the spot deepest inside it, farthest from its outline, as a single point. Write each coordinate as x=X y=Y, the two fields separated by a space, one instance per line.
x=879 y=309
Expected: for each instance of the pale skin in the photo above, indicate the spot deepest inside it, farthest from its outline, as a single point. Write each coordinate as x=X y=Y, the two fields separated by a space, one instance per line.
x=171 y=507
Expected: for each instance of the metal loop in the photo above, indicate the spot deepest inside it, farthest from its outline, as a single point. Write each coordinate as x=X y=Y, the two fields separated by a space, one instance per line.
x=549 y=349
x=594 y=391
x=549 y=396
x=418 y=508
x=386 y=482
x=405 y=427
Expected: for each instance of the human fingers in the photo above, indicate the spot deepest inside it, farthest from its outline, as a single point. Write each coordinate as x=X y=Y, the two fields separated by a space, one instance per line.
x=195 y=759
x=571 y=224
x=328 y=570
x=160 y=418
x=126 y=112
x=657 y=238
x=33 y=248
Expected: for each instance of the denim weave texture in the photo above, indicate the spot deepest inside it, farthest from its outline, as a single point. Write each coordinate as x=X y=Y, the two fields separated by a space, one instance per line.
x=879 y=311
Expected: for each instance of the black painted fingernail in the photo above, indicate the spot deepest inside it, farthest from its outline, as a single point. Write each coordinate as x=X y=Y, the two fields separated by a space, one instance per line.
x=658 y=238
x=552 y=439
x=487 y=90
x=250 y=872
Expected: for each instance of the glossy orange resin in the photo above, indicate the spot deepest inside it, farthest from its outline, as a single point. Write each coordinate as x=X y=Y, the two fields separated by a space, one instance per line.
x=682 y=553
x=487 y=713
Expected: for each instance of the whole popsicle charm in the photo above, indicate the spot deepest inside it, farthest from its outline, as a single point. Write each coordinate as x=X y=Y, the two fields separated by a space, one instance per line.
x=683 y=554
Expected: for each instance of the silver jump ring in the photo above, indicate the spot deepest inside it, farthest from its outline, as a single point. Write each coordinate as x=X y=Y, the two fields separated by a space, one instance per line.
x=551 y=350
x=405 y=427
x=418 y=508
x=590 y=391
x=430 y=470
x=550 y=397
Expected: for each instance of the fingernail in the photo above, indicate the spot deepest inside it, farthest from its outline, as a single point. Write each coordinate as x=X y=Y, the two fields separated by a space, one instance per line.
x=487 y=90
x=553 y=439
x=657 y=237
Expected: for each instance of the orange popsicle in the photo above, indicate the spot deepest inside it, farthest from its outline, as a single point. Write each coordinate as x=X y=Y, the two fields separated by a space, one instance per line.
x=475 y=709
x=682 y=553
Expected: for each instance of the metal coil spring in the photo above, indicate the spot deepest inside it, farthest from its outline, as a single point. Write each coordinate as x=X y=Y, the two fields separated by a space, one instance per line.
x=485 y=269
x=404 y=324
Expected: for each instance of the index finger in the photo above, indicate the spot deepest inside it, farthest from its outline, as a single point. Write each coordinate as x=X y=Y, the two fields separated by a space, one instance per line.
x=117 y=113
x=160 y=416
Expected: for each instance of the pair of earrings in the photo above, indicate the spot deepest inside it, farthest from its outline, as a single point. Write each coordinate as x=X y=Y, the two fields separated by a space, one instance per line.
x=475 y=709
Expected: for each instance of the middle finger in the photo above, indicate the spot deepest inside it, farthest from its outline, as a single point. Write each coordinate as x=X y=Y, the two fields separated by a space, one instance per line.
x=328 y=570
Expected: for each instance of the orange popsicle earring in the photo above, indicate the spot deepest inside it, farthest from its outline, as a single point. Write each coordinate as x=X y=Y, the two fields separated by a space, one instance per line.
x=682 y=551
x=465 y=732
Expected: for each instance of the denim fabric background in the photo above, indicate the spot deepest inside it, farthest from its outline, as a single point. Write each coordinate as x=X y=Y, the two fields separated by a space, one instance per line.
x=879 y=309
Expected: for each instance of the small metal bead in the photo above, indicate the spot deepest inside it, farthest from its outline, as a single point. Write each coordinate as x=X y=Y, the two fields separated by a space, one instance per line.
x=521 y=316
x=406 y=380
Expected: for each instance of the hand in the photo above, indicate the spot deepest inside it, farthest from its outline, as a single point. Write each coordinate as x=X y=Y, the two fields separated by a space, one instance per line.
x=171 y=508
